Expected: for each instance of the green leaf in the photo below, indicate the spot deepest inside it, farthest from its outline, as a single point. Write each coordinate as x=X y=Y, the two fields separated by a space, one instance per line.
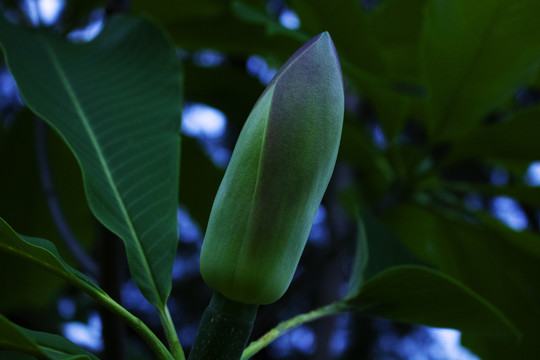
x=361 y=257
x=399 y=43
x=385 y=248
x=346 y=22
x=476 y=54
x=116 y=101
x=380 y=60
x=377 y=248
x=421 y=295
x=44 y=254
x=512 y=139
x=398 y=46
x=40 y=344
x=501 y=265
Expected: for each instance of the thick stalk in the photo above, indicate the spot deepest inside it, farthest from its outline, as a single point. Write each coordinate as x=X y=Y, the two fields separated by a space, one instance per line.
x=224 y=330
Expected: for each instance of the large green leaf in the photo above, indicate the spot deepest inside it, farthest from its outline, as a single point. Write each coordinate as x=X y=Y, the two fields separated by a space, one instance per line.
x=42 y=345
x=116 y=101
x=501 y=265
x=420 y=295
x=412 y=294
x=476 y=54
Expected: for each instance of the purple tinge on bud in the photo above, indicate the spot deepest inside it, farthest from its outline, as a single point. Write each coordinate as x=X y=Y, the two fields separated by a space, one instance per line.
x=279 y=171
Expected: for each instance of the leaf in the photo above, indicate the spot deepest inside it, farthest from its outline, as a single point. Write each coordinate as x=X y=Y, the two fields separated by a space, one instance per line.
x=44 y=254
x=501 y=265
x=361 y=258
x=513 y=139
x=476 y=54
x=421 y=295
x=346 y=22
x=385 y=248
x=399 y=43
x=380 y=60
x=398 y=46
x=40 y=344
x=116 y=102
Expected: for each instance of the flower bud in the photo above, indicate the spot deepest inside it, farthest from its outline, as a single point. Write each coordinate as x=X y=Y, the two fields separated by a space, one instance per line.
x=278 y=173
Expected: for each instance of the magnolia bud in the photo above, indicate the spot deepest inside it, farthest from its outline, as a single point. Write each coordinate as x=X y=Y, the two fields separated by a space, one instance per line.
x=278 y=173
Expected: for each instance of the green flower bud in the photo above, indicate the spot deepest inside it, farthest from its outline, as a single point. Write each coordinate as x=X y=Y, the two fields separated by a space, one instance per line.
x=278 y=173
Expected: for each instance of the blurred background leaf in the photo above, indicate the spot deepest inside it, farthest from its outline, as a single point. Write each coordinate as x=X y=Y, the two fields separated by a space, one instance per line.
x=475 y=55
x=494 y=261
x=24 y=206
x=40 y=344
x=423 y=296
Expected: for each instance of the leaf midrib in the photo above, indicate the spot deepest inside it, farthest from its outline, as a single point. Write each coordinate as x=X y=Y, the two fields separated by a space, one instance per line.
x=108 y=174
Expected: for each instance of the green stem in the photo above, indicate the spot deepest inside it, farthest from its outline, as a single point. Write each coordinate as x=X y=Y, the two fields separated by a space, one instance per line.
x=224 y=330
x=86 y=285
x=171 y=334
x=157 y=347
x=283 y=327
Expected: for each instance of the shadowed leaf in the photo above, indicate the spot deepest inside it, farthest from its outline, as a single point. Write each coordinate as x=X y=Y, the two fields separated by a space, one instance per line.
x=40 y=344
x=116 y=101
x=420 y=295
